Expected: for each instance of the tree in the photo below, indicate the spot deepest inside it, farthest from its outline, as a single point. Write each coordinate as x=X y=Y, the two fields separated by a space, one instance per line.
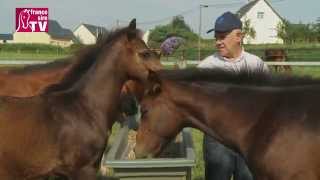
x=248 y=30
x=179 y=23
x=297 y=33
x=282 y=30
x=177 y=27
x=317 y=29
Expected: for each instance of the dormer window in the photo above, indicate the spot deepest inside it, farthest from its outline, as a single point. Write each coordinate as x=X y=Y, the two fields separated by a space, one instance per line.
x=260 y=15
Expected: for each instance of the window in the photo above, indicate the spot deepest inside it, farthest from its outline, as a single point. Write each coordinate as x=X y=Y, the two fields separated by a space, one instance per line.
x=260 y=15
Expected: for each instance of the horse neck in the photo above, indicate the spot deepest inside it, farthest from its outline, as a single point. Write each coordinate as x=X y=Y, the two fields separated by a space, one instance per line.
x=100 y=87
x=226 y=112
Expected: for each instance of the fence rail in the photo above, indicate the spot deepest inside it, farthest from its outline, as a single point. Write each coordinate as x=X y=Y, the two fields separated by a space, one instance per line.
x=189 y=62
x=271 y=63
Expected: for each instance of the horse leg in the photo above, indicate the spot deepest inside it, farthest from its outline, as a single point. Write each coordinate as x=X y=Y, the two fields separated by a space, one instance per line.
x=86 y=173
x=287 y=68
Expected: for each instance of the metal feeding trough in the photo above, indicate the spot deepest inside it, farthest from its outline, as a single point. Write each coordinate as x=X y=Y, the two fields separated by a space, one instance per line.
x=175 y=163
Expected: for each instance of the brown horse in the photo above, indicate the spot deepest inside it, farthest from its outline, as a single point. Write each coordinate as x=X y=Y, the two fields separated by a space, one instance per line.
x=272 y=121
x=278 y=55
x=32 y=79
x=64 y=130
x=152 y=62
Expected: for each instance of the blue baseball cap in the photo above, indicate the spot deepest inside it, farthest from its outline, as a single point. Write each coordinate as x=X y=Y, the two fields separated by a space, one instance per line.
x=226 y=23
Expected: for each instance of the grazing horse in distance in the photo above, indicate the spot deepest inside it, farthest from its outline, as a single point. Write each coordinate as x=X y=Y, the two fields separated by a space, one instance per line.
x=273 y=122
x=278 y=55
x=64 y=130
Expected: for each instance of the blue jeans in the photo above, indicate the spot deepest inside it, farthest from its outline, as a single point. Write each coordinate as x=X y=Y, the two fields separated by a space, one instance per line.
x=221 y=162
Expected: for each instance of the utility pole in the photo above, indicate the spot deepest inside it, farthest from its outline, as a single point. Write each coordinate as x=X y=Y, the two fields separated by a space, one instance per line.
x=118 y=23
x=200 y=24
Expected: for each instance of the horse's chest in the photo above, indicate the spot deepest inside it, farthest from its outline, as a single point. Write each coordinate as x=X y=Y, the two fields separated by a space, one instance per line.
x=82 y=149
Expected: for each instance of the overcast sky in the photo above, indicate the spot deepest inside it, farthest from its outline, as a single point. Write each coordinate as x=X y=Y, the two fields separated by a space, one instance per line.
x=149 y=13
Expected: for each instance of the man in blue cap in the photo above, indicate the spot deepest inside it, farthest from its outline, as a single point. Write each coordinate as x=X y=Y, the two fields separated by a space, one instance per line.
x=220 y=162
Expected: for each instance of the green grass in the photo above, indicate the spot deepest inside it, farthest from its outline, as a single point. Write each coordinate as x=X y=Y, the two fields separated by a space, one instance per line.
x=313 y=72
x=307 y=71
x=198 y=169
x=30 y=56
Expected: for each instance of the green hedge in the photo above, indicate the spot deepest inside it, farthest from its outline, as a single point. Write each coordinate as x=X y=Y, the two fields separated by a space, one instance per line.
x=38 y=48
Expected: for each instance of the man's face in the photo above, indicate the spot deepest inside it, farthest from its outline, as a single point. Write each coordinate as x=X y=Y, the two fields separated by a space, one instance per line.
x=228 y=43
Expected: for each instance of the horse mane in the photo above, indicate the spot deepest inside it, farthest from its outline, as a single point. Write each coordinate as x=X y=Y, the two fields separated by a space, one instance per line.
x=242 y=78
x=56 y=64
x=85 y=57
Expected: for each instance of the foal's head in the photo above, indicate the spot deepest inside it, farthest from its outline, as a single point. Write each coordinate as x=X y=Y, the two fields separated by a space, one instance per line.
x=152 y=61
x=160 y=121
x=127 y=50
x=137 y=57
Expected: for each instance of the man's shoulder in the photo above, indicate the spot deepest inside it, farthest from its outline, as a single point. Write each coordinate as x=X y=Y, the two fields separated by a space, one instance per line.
x=252 y=57
x=209 y=61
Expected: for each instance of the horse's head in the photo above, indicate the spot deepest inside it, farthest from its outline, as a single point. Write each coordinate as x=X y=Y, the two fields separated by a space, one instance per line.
x=160 y=120
x=151 y=59
x=137 y=57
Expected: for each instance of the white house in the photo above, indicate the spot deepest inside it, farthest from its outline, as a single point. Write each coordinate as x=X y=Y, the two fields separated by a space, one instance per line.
x=56 y=35
x=145 y=36
x=264 y=19
x=87 y=33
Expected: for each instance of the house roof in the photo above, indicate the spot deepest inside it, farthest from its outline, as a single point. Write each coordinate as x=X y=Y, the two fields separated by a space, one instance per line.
x=57 y=31
x=246 y=8
x=6 y=37
x=95 y=30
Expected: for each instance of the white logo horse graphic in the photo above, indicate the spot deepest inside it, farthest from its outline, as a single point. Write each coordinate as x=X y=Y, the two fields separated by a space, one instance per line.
x=24 y=17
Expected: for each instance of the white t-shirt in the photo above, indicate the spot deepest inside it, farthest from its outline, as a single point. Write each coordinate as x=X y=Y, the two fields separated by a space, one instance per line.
x=245 y=63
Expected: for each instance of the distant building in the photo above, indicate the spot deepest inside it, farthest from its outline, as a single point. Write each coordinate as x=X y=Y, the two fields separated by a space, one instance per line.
x=264 y=19
x=6 y=38
x=56 y=35
x=146 y=36
x=88 y=34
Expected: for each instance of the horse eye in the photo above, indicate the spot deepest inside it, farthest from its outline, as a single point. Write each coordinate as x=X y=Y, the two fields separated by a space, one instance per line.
x=145 y=54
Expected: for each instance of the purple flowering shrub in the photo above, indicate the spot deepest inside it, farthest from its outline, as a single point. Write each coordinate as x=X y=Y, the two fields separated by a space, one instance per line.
x=171 y=44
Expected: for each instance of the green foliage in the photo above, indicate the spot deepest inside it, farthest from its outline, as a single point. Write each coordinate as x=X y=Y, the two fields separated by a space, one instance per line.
x=299 y=33
x=177 y=27
x=282 y=30
x=248 y=30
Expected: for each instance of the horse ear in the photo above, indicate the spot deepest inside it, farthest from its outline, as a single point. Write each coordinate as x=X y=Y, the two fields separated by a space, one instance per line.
x=132 y=30
x=132 y=24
